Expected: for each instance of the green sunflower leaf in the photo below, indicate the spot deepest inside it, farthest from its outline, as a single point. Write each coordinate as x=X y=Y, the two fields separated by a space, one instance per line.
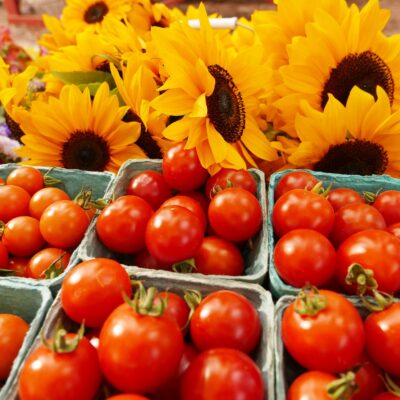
x=85 y=78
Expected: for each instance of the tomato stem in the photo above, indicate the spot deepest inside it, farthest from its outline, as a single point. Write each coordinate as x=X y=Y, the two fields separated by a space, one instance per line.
x=7 y=272
x=310 y=301
x=344 y=387
x=193 y=298
x=2 y=227
x=144 y=301
x=363 y=278
x=370 y=197
x=391 y=385
x=50 y=180
x=53 y=270
x=60 y=343
x=185 y=267
x=319 y=189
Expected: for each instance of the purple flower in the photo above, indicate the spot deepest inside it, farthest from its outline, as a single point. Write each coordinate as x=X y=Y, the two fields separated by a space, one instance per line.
x=4 y=130
x=7 y=149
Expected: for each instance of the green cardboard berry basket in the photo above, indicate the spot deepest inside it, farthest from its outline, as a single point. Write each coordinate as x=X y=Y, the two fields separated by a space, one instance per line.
x=259 y=297
x=256 y=261
x=73 y=182
x=358 y=183
x=30 y=303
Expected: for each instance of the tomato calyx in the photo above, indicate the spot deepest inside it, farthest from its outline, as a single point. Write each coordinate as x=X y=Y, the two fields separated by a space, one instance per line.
x=2 y=227
x=55 y=270
x=370 y=197
x=391 y=385
x=309 y=302
x=218 y=188
x=185 y=267
x=193 y=299
x=344 y=387
x=7 y=272
x=60 y=343
x=144 y=303
x=49 y=180
x=319 y=189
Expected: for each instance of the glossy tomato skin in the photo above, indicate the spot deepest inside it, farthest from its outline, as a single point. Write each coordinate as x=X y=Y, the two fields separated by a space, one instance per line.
x=144 y=259
x=235 y=214
x=63 y=376
x=304 y=256
x=335 y=336
x=376 y=250
x=388 y=204
x=14 y=202
x=12 y=334
x=295 y=180
x=63 y=224
x=173 y=234
x=3 y=256
x=386 y=396
x=225 y=319
x=43 y=259
x=127 y=397
x=394 y=229
x=27 y=178
x=217 y=256
x=311 y=385
x=182 y=169
x=369 y=381
x=300 y=209
x=93 y=289
x=176 y=309
x=341 y=197
x=150 y=186
x=355 y=218
x=43 y=198
x=19 y=265
x=222 y=374
x=382 y=332
x=142 y=354
x=121 y=225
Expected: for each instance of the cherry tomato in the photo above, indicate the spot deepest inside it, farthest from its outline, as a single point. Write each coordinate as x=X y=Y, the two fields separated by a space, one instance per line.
x=19 y=265
x=376 y=250
x=46 y=258
x=344 y=196
x=235 y=214
x=182 y=169
x=3 y=256
x=176 y=309
x=121 y=225
x=61 y=376
x=14 y=202
x=150 y=186
x=355 y=218
x=27 y=178
x=304 y=256
x=222 y=374
x=173 y=234
x=334 y=336
x=43 y=198
x=12 y=334
x=369 y=381
x=311 y=385
x=382 y=332
x=225 y=319
x=226 y=177
x=63 y=224
x=394 y=229
x=22 y=236
x=93 y=289
x=127 y=397
x=388 y=204
x=200 y=197
x=139 y=353
x=295 y=180
x=144 y=259
x=386 y=396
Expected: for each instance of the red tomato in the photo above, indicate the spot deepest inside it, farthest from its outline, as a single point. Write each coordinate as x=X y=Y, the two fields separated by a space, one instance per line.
x=93 y=289
x=386 y=396
x=45 y=259
x=222 y=374
x=382 y=332
x=173 y=234
x=226 y=177
x=127 y=397
x=139 y=353
x=369 y=381
x=334 y=336
x=226 y=319
x=61 y=376
x=355 y=218
x=235 y=214
x=3 y=256
x=388 y=204
x=311 y=385
x=43 y=198
x=376 y=250
x=305 y=256
x=121 y=226
x=12 y=334
x=22 y=236
x=144 y=259
x=295 y=180
x=217 y=256
x=343 y=196
x=14 y=202
x=182 y=169
x=63 y=224
x=27 y=178
x=176 y=309
x=150 y=186
x=200 y=197
x=394 y=229
x=300 y=209
x=19 y=265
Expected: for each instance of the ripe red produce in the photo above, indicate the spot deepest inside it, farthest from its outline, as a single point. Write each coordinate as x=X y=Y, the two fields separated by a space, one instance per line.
x=369 y=381
x=386 y=396
x=311 y=385
x=27 y=178
x=388 y=204
x=43 y=198
x=3 y=256
x=14 y=202
x=144 y=259
x=295 y=180
x=176 y=308
x=341 y=197
x=19 y=265
x=127 y=397
x=394 y=229
x=50 y=257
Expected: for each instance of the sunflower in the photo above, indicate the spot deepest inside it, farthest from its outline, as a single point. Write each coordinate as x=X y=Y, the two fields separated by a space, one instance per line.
x=215 y=93
x=335 y=56
x=362 y=137
x=73 y=131
x=79 y=15
x=58 y=36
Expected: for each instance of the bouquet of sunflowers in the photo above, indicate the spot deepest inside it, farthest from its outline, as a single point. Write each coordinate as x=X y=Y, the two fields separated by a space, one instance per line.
x=311 y=84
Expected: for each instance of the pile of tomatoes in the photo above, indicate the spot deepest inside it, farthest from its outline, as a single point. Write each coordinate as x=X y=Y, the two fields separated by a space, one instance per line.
x=145 y=344
x=182 y=219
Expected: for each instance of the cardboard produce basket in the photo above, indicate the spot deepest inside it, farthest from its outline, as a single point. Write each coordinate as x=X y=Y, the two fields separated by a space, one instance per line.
x=255 y=261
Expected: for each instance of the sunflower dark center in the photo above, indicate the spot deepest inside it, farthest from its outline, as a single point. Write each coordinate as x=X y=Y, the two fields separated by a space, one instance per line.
x=86 y=150
x=365 y=70
x=359 y=157
x=96 y=12
x=225 y=105
x=16 y=131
